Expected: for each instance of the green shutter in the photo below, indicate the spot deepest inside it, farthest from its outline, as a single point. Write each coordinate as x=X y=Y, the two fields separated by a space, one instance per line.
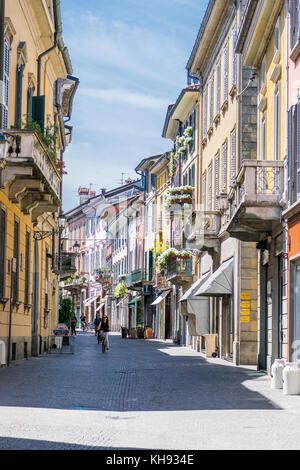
x=38 y=111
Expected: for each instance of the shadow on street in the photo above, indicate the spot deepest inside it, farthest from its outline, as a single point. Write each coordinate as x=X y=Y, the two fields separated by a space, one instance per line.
x=135 y=375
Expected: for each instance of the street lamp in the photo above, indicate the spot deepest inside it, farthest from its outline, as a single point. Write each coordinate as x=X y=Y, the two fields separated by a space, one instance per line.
x=76 y=248
x=42 y=234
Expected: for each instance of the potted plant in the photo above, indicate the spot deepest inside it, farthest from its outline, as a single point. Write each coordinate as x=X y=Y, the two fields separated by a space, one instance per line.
x=133 y=333
x=148 y=333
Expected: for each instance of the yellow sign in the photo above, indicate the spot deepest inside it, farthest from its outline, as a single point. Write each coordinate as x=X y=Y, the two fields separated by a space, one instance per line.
x=245 y=296
x=245 y=319
x=245 y=304
x=245 y=311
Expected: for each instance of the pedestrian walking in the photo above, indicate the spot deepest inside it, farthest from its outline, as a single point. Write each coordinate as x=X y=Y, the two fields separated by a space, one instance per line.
x=83 y=321
x=97 y=322
x=73 y=325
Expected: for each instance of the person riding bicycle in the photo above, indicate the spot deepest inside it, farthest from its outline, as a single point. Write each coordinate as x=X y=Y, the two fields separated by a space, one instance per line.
x=104 y=327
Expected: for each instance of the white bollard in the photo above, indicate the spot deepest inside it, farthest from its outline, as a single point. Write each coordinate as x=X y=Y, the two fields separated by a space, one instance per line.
x=291 y=379
x=277 y=373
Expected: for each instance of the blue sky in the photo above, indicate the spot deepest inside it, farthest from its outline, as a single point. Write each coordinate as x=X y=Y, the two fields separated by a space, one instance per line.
x=130 y=57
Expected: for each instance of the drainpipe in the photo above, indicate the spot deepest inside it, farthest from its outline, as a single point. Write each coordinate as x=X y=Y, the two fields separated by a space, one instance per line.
x=40 y=63
x=57 y=36
x=2 y=40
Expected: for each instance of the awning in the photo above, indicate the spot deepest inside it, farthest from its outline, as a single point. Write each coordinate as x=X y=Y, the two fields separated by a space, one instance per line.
x=90 y=300
x=133 y=301
x=100 y=306
x=161 y=297
x=219 y=283
x=197 y=309
x=190 y=293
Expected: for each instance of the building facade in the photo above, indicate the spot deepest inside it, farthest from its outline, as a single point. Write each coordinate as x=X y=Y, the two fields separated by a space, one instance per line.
x=36 y=77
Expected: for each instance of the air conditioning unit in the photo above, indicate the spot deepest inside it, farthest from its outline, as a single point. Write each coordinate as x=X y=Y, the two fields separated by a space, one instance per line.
x=147 y=290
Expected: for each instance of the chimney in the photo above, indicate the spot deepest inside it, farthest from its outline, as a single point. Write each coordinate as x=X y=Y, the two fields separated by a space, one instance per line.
x=83 y=194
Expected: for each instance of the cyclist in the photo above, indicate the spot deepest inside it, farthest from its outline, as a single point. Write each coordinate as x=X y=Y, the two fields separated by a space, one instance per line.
x=97 y=322
x=104 y=327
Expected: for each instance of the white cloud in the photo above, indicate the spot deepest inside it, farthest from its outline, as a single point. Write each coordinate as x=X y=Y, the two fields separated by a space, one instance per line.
x=120 y=96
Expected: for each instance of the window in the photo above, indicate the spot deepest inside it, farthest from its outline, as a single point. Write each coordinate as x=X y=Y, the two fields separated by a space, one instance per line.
x=225 y=89
x=2 y=251
x=232 y=163
x=294 y=22
x=6 y=83
x=216 y=179
x=224 y=166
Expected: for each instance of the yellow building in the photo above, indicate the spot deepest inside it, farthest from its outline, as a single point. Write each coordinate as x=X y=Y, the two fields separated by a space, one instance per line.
x=38 y=90
x=262 y=43
x=227 y=130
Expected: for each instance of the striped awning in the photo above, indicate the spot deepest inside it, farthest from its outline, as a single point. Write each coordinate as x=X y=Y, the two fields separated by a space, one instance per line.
x=161 y=297
x=90 y=300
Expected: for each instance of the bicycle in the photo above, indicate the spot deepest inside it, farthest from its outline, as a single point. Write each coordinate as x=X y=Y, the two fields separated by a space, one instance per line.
x=101 y=337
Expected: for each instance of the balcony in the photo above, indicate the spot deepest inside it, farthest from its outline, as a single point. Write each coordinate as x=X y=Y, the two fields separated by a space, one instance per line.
x=255 y=199
x=65 y=265
x=179 y=271
x=134 y=278
x=30 y=177
x=204 y=230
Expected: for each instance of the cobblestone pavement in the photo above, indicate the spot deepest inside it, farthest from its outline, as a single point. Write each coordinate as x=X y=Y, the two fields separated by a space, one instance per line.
x=141 y=395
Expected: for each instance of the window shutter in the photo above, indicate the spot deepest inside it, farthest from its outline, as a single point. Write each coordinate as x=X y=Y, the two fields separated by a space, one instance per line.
x=294 y=21
x=211 y=102
x=2 y=251
x=203 y=190
x=216 y=179
x=225 y=73
x=38 y=111
x=193 y=176
x=15 y=277
x=234 y=58
x=204 y=113
x=209 y=196
x=27 y=268
x=224 y=166
x=194 y=128
x=6 y=83
x=232 y=157
x=290 y=156
x=19 y=91
x=297 y=147
x=218 y=89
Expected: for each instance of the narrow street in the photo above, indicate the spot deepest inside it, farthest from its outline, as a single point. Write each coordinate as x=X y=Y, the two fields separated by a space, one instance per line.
x=141 y=395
